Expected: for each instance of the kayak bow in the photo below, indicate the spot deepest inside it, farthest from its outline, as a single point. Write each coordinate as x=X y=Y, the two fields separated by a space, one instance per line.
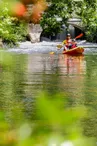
x=75 y=51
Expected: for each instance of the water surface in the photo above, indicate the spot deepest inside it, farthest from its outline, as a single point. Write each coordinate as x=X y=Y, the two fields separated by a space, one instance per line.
x=35 y=71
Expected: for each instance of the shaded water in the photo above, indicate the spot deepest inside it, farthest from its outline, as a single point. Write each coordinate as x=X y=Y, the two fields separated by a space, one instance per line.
x=30 y=73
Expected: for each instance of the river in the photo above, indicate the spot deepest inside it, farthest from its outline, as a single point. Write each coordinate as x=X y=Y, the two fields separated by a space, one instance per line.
x=34 y=68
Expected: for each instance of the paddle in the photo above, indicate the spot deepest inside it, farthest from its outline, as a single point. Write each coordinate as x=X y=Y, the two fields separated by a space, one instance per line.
x=79 y=36
x=59 y=46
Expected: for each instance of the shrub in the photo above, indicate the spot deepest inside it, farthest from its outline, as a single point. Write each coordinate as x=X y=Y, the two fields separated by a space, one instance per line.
x=12 y=29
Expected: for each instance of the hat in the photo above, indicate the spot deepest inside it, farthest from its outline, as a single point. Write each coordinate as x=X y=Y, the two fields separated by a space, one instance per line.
x=68 y=34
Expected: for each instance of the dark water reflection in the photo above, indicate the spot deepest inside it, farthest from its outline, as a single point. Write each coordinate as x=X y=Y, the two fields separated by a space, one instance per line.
x=76 y=76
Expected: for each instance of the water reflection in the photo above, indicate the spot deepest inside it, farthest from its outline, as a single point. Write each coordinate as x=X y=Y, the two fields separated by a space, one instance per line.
x=56 y=73
x=48 y=63
x=72 y=64
x=35 y=72
x=42 y=63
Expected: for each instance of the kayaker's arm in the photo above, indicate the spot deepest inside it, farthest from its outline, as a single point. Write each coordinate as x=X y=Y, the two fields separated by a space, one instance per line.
x=64 y=42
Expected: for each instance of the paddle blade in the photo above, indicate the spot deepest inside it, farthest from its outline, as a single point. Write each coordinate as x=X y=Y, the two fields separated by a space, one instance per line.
x=79 y=36
x=51 y=53
x=81 y=42
x=59 y=46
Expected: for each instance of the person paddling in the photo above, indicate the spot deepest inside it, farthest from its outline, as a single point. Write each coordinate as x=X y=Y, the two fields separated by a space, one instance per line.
x=67 y=42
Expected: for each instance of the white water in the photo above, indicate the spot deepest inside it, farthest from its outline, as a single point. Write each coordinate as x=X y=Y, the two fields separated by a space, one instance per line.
x=47 y=47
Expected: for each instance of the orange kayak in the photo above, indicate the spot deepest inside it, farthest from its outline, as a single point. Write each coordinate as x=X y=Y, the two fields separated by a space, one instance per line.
x=75 y=51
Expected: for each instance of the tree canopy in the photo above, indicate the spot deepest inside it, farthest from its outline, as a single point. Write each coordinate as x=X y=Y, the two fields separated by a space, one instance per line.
x=65 y=9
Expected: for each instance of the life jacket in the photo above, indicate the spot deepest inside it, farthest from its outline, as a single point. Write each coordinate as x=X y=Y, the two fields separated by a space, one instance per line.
x=67 y=41
x=74 y=45
x=68 y=44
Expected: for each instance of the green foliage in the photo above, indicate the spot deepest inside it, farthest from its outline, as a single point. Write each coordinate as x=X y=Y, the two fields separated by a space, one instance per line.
x=12 y=30
x=50 y=23
x=87 y=13
x=58 y=10
x=55 y=124
x=86 y=10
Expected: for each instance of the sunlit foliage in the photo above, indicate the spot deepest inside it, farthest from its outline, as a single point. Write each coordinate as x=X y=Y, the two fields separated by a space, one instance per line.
x=88 y=14
x=12 y=29
x=84 y=9
x=14 y=16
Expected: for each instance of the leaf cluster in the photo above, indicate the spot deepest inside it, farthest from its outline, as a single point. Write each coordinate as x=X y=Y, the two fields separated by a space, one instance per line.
x=54 y=17
x=12 y=29
x=84 y=9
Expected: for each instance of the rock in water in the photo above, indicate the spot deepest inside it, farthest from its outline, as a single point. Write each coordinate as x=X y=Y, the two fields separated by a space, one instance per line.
x=34 y=32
